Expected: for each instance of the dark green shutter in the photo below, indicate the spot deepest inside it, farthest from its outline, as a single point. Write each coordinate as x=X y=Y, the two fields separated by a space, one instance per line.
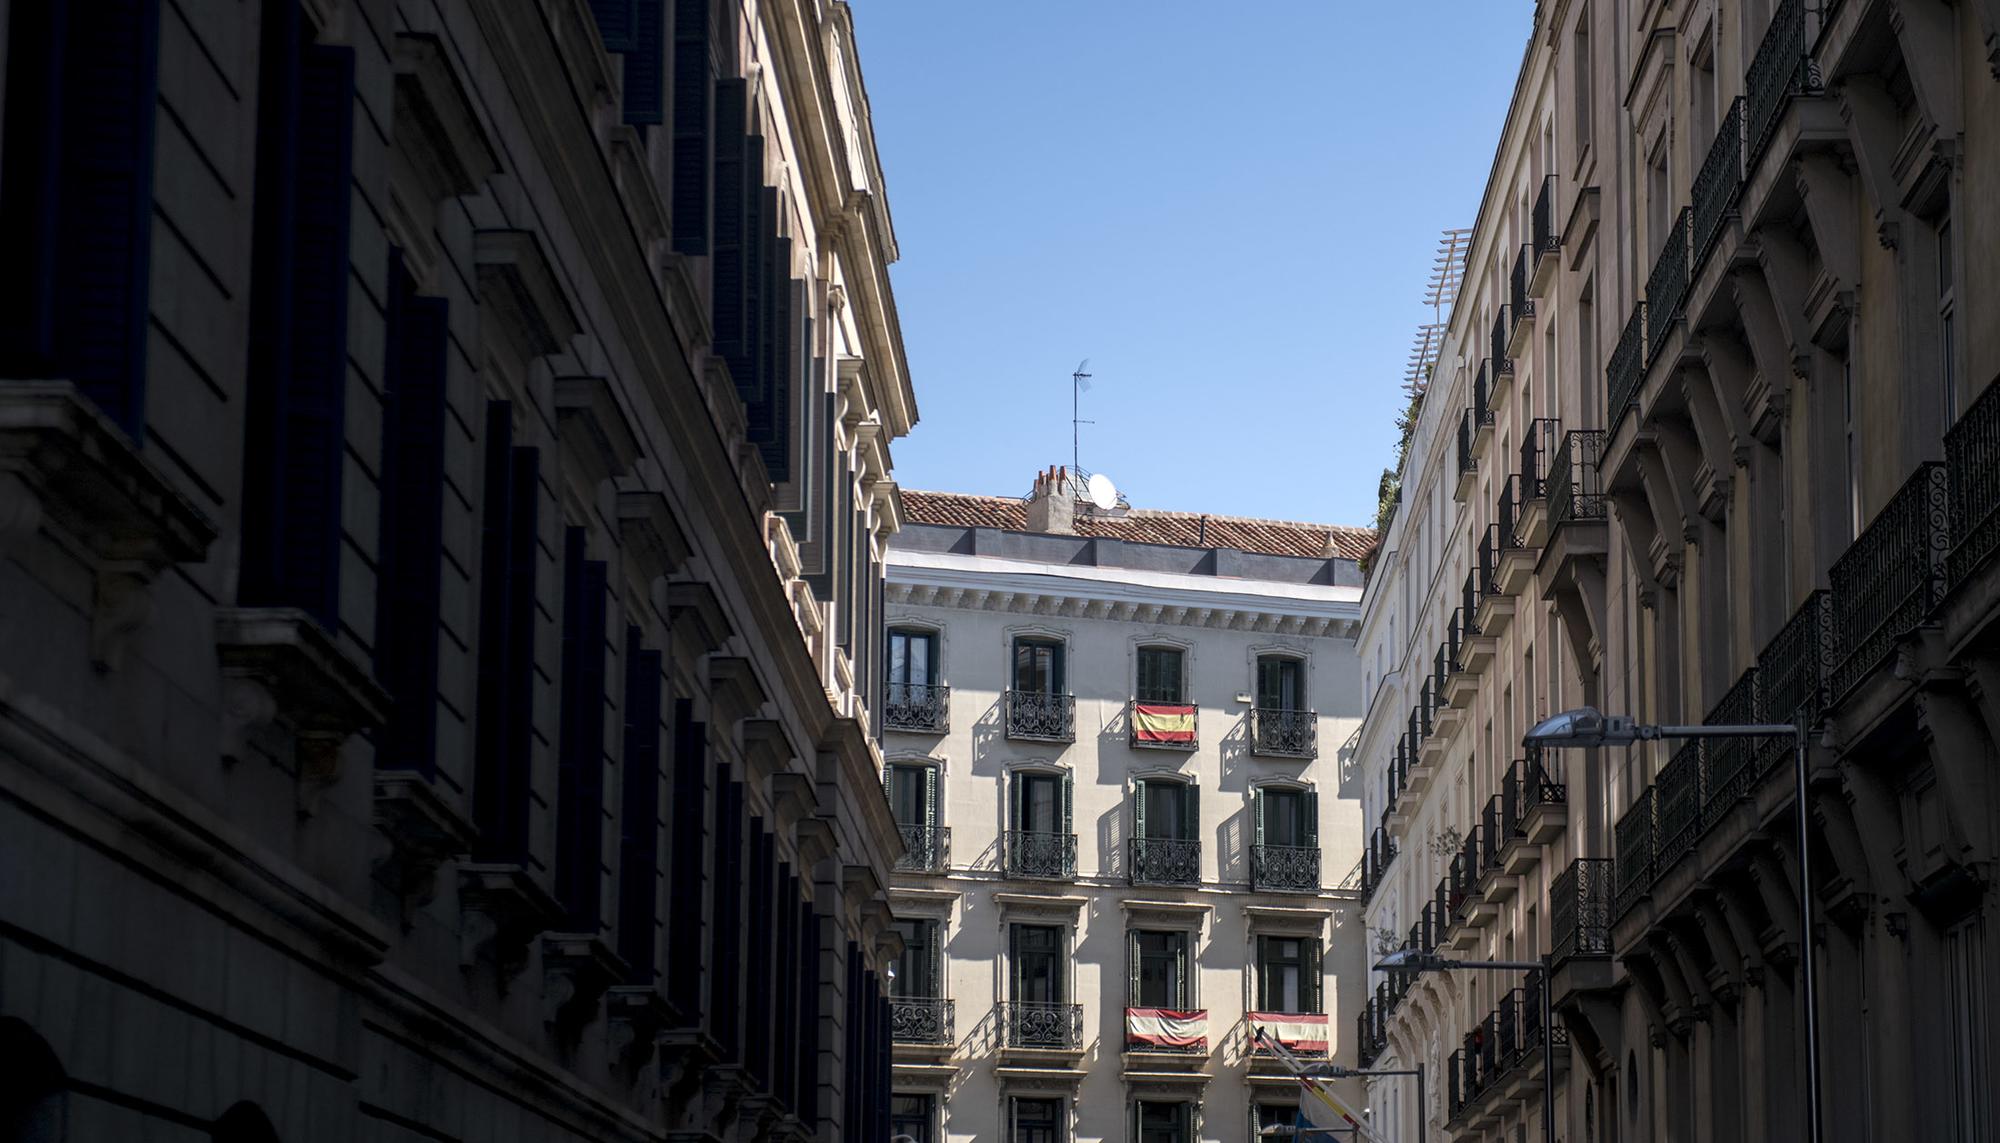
x=1134 y=963
x=1191 y=804
x=930 y=797
x=645 y=61
x=1309 y=989
x=1183 y=986
x=1014 y=802
x=1139 y=808
x=1068 y=791
x=1311 y=832
x=694 y=160
x=889 y=783
x=1259 y=800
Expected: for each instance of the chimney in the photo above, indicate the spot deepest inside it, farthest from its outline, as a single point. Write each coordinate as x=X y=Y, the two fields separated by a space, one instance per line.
x=1052 y=505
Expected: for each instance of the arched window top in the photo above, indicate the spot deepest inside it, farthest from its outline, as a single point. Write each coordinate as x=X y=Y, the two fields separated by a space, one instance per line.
x=32 y=1085
x=244 y=1122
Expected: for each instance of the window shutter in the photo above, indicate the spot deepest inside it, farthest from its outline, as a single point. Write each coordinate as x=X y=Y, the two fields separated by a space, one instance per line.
x=1134 y=969
x=1258 y=799
x=31 y=195
x=1183 y=986
x=1262 y=984
x=1014 y=964
x=1057 y=684
x=1267 y=683
x=580 y=741
x=1139 y=808
x=1014 y=820
x=615 y=21
x=690 y=848
x=1191 y=802
x=1068 y=791
x=732 y=221
x=694 y=157
x=889 y=782
x=933 y=958
x=1310 y=991
x=1311 y=831
x=639 y=810
x=931 y=798
x=495 y=616
x=645 y=59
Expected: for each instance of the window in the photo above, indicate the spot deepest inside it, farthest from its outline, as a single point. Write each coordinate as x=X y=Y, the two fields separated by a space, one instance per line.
x=1947 y=365
x=913 y=793
x=919 y=967
x=911 y=1115
x=1160 y=678
x=1159 y=970
x=1276 y=1115
x=1041 y=803
x=1162 y=1122
x=1580 y=67
x=1038 y=666
x=1853 y=473
x=1280 y=683
x=1038 y=976
x=1966 y=966
x=1036 y=1121
x=1287 y=817
x=1288 y=974
x=1040 y=839
x=1165 y=810
x=912 y=659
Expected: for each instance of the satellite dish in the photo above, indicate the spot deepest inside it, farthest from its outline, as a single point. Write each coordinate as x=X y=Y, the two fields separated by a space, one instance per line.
x=1101 y=492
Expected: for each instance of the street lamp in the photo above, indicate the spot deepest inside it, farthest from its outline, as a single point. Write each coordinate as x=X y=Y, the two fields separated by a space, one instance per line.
x=1587 y=727
x=1412 y=960
x=1342 y=1071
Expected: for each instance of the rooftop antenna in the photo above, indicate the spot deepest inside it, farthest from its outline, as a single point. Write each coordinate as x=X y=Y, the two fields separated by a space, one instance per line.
x=1079 y=384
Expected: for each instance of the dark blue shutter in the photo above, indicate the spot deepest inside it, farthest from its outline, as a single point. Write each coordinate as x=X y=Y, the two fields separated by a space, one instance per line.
x=757 y=1044
x=694 y=94
x=580 y=751
x=414 y=416
x=727 y=268
x=686 y=874
x=646 y=65
x=523 y=554
x=31 y=187
x=806 y=1031
x=750 y=369
x=639 y=810
x=616 y=20
x=725 y=1005
x=505 y=719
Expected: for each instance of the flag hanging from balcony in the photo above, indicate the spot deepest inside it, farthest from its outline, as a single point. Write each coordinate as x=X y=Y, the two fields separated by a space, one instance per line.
x=1298 y=1031
x=1165 y=1028
x=1164 y=723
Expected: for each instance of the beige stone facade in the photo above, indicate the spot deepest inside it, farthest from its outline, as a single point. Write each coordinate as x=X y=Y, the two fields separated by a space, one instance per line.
x=1711 y=442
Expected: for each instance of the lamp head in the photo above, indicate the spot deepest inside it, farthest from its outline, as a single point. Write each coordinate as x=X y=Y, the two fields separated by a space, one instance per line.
x=1583 y=727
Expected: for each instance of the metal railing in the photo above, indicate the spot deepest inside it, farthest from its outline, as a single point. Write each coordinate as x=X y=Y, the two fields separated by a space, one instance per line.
x=1482 y=394
x=1972 y=455
x=1626 y=367
x=926 y=848
x=1732 y=762
x=1793 y=672
x=1576 y=487
x=1285 y=868
x=920 y=1020
x=1636 y=837
x=1492 y=831
x=1507 y=509
x=1040 y=716
x=1541 y=785
x=1538 y=446
x=1782 y=68
x=1032 y=1025
x=1032 y=854
x=1666 y=286
x=1468 y=426
x=1682 y=784
x=1580 y=910
x=1488 y=568
x=1890 y=577
x=1546 y=239
x=1718 y=183
x=1279 y=733
x=1503 y=324
x=1191 y=742
x=1519 y=298
x=1166 y=861
x=1376 y=858
x=921 y=707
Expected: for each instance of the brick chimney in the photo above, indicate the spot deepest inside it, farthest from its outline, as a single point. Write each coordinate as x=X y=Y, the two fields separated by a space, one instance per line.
x=1052 y=505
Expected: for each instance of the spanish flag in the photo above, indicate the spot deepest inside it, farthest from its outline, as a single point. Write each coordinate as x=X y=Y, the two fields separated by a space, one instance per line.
x=1164 y=724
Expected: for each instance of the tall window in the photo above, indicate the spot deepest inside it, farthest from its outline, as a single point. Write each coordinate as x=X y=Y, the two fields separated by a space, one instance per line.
x=1165 y=810
x=912 y=659
x=1580 y=67
x=1038 y=976
x=1160 y=678
x=1163 y=1122
x=1038 y=666
x=1159 y=968
x=911 y=1115
x=1036 y=1121
x=1040 y=803
x=919 y=967
x=1288 y=972
x=913 y=793
x=1947 y=364
x=1287 y=817
x=1280 y=683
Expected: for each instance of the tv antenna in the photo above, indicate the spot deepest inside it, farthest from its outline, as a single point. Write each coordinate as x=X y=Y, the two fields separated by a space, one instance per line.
x=1079 y=383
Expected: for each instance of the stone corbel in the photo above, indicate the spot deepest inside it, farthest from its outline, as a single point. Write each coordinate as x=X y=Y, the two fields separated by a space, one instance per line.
x=521 y=292
x=651 y=534
x=734 y=692
x=501 y=909
x=422 y=832
x=634 y=1014
x=1735 y=909
x=816 y=841
x=1928 y=32
x=766 y=746
x=859 y=886
x=1875 y=131
x=597 y=438
x=67 y=470
x=577 y=970
x=280 y=668
x=694 y=617
x=794 y=797
x=436 y=125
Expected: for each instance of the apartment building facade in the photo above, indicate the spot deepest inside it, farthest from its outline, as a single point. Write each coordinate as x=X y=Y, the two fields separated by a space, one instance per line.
x=445 y=482
x=1115 y=751
x=1711 y=447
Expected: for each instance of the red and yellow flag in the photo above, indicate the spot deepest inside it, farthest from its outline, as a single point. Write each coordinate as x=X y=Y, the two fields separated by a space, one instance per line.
x=1163 y=723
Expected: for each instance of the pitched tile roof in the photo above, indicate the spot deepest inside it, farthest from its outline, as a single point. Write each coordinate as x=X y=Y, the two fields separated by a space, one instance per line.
x=1149 y=526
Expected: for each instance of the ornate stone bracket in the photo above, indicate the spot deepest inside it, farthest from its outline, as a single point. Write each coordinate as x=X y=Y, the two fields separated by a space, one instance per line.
x=634 y=1016
x=281 y=668
x=577 y=970
x=651 y=534
x=522 y=292
x=67 y=470
x=597 y=438
x=501 y=909
x=422 y=830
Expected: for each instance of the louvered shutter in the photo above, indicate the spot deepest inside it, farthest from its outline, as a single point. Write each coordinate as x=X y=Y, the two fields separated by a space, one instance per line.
x=1191 y=804
x=694 y=152
x=1258 y=800
x=580 y=746
x=690 y=849
x=639 y=809
x=727 y=268
x=931 y=798
x=1139 y=808
x=1263 y=967
x=31 y=223
x=523 y=550
x=616 y=20
x=495 y=637
x=1311 y=802
x=889 y=784
x=1310 y=990
x=1014 y=966
x=646 y=63
x=1183 y=986
x=1135 y=954
x=1068 y=800
x=1015 y=802
x=1269 y=693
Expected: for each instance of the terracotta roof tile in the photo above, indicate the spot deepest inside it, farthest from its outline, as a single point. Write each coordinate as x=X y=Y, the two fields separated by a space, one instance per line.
x=1150 y=526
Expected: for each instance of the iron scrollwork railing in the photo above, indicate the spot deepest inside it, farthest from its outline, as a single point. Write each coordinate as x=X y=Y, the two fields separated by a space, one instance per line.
x=1681 y=783
x=1166 y=861
x=1482 y=395
x=1547 y=241
x=1627 y=366
x=1278 y=733
x=1732 y=762
x=1518 y=297
x=1541 y=785
x=1793 y=672
x=1287 y=868
x=1538 y=446
x=1031 y=854
x=1718 y=182
x=920 y=1020
x=926 y=849
x=1782 y=68
x=1055 y=1026
x=1576 y=488
x=1972 y=456
x=1580 y=910
x=1503 y=324
x=1890 y=577
x=921 y=707
x=1666 y=286
x=1041 y=716
x=1637 y=838
x=1468 y=427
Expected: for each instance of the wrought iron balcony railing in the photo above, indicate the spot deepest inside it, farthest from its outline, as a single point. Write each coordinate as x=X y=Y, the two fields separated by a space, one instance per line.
x=1492 y=831
x=1580 y=910
x=1166 y=861
x=1368 y=1044
x=920 y=1020
x=1158 y=726
x=1972 y=456
x=1507 y=507
x=1519 y=298
x=1285 y=868
x=1503 y=324
x=1048 y=855
x=921 y=708
x=1488 y=567
x=1468 y=427
x=1546 y=239
x=1782 y=68
x=1538 y=446
x=1482 y=394
x=1376 y=858
x=1666 y=286
x=1637 y=838
x=1040 y=716
x=1732 y=762
x=1890 y=577
x=1682 y=784
x=1576 y=487
x=1052 y=1026
x=1627 y=366
x=1468 y=605
x=1793 y=673
x=1279 y=733
x=926 y=849
x=1541 y=783
x=1718 y=183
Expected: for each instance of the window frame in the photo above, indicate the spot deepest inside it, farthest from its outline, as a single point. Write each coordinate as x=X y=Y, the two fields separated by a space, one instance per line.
x=1181 y=688
x=1058 y=649
x=933 y=659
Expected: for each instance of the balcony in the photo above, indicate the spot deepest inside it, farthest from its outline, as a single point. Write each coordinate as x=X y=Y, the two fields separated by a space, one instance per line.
x=1626 y=368
x=1732 y=762
x=1538 y=446
x=1718 y=184
x=1285 y=868
x=1495 y=608
x=1666 y=287
x=1047 y=1027
x=1576 y=488
x=1039 y=716
x=1050 y=856
x=1303 y=1034
x=1793 y=672
x=1521 y=300
x=1371 y=1031
x=1517 y=561
x=1547 y=240
x=919 y=1020
x=1165 y=861
x=1501 y=1060
x=1482 y=406
x=1503 y=363
x=1580 y=911
x=1636 y=837
x=1279 y=733
x=1782 y=69
x=1376 y=858
x=1972 y=457
x=1544 y=801
x=1167 y=1031
x=917 y=708
x=1681 y=785
x=1162 y=725
x=1468 y=464
x=926 y=849
x=1469 y=653
x=1889 y=578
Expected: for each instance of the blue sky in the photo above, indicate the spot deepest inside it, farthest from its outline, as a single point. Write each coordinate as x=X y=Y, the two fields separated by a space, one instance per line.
x=1230 y=209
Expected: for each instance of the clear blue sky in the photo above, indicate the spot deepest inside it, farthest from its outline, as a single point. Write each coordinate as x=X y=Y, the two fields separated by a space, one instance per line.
x=1230 y=209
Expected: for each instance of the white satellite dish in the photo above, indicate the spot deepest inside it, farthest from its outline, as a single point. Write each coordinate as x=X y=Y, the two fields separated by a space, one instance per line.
x=1101 y=492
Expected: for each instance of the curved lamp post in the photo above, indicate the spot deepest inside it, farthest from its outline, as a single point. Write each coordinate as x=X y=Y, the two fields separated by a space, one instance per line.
x=1586 y=727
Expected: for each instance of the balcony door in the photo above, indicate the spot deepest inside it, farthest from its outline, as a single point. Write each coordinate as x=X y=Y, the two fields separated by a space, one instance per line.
x=1280 y=683
x=1038 y=666
x=912 y=659
x=1041 y=803
x=1165 y=811
x=1037 y=956
x=918 y=967
x=1287 y=817
x=1163 y=1122
x=1288 y=971
x=1160 y=970
x=1036 y=1121
x=911 y=1115
x=913 y=794
x=1160 y=676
